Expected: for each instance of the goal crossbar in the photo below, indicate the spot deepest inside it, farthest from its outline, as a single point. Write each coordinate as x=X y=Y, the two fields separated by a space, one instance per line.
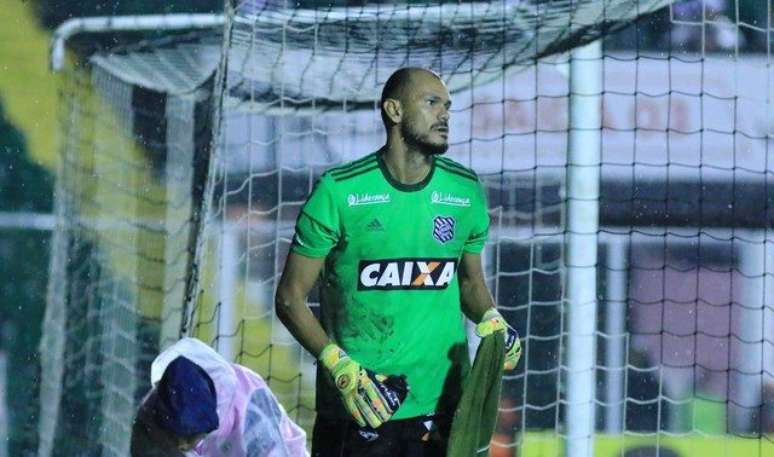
x=135 y=23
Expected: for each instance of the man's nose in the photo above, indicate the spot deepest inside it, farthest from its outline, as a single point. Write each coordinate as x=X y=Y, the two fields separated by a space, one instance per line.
x=444 y=115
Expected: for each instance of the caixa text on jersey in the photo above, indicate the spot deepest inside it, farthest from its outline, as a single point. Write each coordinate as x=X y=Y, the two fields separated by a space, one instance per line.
x=406 y=273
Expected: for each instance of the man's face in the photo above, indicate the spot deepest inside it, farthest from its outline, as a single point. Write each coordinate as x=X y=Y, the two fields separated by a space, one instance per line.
x=149 y=440
x=425 y=122
x=174 y=445
x=185 y=444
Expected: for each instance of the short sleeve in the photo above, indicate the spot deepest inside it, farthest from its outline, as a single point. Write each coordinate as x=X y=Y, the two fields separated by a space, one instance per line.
x=317 y=226
x=479 y=231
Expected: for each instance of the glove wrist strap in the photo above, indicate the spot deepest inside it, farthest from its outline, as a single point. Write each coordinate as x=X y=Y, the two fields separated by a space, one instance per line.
x=490 y=314
x=331 y=355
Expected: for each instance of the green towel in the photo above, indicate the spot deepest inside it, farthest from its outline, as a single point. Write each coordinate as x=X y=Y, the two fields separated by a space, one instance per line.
x=476 y=414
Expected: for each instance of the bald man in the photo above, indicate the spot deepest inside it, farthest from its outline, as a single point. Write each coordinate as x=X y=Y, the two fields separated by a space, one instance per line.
x=395 y=238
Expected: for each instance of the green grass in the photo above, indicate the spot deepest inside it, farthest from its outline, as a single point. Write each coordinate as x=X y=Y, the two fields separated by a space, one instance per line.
x=550 y=445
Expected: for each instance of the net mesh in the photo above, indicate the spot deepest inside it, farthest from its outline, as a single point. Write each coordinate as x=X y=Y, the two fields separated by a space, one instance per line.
x=127 y=204
x=315 y=57
x=299 y=95
x=685 y=358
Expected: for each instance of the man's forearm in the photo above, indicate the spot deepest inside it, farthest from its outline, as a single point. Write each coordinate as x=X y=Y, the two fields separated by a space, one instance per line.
x=301 y=323
x=475 y=299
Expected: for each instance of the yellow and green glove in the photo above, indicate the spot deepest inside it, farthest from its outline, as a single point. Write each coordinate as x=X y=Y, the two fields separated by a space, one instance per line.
x=370 y=398
x=493 y=321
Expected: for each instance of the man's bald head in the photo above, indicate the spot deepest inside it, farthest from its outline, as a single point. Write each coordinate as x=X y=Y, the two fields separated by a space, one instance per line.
x=398 y=84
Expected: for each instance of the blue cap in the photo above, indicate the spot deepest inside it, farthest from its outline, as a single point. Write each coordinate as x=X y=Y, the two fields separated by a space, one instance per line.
x=186 y=402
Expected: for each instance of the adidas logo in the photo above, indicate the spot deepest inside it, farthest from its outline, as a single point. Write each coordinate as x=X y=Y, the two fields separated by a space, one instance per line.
x=375 y=226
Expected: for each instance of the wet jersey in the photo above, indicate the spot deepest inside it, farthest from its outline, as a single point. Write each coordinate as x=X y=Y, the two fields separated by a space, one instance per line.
x=388 y=291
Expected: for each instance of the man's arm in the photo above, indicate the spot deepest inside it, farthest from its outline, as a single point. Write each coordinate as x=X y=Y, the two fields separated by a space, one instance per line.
x=370 y=398
x=474 y=295
x=478 y=306
x=297 y=280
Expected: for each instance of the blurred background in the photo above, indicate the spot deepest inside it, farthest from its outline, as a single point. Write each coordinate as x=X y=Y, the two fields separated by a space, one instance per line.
x=149 y=190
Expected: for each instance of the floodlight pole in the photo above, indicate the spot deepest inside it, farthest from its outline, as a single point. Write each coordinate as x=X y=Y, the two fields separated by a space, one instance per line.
x=583 y=173
x=138 y=23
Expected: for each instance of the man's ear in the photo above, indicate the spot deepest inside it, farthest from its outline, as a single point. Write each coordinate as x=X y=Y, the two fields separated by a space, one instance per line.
x=393 y=109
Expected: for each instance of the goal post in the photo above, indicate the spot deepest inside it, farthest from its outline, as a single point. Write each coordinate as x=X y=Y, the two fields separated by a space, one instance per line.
x=584 y=162
x=137 y=128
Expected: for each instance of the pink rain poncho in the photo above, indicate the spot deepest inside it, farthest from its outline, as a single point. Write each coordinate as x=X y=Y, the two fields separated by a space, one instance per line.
x=251 y=421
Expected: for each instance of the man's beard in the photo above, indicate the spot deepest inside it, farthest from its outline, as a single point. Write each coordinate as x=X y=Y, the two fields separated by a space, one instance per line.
x=424 y=146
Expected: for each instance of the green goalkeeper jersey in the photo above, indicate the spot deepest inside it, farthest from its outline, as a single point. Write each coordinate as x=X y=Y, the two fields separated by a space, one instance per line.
x=388 y=291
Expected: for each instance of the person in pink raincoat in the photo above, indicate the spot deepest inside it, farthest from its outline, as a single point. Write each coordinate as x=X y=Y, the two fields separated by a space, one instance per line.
x=202 y=405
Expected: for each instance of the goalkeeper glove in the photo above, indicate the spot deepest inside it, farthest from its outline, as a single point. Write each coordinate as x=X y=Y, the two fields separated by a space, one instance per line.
x=492 y=322
x=370 y=398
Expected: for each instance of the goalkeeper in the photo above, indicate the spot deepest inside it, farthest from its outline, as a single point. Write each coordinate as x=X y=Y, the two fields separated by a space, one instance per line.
x=396 y=238
x=202 y=405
